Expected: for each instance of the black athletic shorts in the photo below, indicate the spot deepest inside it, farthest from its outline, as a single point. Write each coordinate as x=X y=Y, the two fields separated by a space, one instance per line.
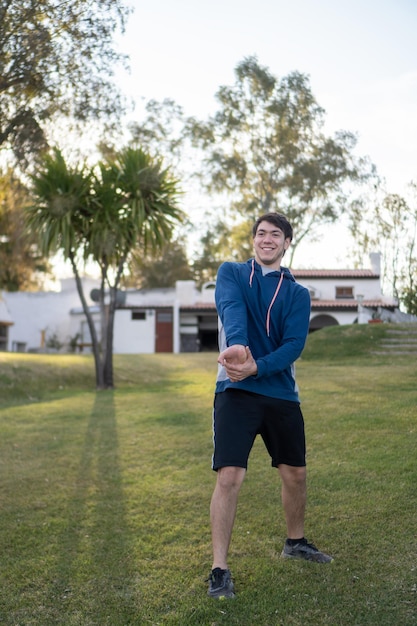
x=239 y=416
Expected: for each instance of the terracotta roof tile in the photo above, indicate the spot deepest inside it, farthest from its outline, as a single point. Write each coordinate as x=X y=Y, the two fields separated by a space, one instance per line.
x=350 y=304
x=341 y=304
x=299 y=273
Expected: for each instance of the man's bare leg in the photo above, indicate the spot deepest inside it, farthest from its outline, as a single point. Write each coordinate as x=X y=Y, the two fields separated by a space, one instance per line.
x=294 y=497
x=223 y=511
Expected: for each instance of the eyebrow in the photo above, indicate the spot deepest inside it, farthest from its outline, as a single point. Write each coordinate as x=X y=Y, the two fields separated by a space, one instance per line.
x=277 y=231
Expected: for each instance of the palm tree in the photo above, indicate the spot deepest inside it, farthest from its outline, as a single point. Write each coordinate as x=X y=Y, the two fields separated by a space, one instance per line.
x=125 y=205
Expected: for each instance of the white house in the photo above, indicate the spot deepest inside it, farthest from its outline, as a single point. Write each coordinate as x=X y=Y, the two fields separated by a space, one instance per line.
x=6 y=321
x=36 y=318
x=178 y=319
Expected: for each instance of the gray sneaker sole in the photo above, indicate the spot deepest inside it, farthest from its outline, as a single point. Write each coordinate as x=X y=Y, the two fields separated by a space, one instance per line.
x=323 y=559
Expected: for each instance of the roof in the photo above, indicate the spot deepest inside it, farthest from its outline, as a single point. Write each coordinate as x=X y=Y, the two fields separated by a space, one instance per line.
x=210 y=307
x=143 y=307
x=334 y=274
x=5 y=317
x=199 y=306
x=350 y=305
x=316 y=305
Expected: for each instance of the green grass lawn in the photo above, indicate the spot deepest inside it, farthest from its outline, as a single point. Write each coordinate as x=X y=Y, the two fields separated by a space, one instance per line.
x=105 y=496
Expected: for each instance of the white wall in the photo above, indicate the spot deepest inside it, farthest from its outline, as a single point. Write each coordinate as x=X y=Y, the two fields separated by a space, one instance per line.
x=47 y=311
x=369 y=287
x=33 y=313
x=342 y=317
x=134 y=336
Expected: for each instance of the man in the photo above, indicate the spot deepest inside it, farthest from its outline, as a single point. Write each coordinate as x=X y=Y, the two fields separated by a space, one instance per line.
x=264 y=318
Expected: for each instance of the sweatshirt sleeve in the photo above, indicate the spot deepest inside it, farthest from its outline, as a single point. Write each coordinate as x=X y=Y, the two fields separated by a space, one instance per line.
x=293 y=340
x=230 y=305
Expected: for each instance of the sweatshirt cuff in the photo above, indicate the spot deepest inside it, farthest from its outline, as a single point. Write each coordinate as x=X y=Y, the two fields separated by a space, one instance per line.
x=237 y=341
x=261 y=365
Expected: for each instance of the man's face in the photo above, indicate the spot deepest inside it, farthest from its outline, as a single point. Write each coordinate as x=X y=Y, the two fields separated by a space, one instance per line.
x=269 y=244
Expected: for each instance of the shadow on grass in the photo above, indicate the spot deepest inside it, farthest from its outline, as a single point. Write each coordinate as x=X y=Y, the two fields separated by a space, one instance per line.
x=92 y=582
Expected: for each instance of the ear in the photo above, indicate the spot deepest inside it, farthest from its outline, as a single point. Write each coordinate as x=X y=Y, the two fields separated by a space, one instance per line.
x=287 y=243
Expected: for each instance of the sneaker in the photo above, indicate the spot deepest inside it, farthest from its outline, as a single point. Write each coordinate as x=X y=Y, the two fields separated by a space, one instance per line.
x=306 y=551
x=220 y=584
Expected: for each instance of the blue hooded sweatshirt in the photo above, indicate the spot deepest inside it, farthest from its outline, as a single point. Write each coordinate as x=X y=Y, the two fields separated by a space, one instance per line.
x=269 y=312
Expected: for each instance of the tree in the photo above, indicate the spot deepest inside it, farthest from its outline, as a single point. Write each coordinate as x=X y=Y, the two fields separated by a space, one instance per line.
x=56 y=59
x=222 y=242
x=22 y=266
x=389 y=224
x=409 y=297
x=126 y=204
x=265 y=150
x=161 y=269
x=162 y=130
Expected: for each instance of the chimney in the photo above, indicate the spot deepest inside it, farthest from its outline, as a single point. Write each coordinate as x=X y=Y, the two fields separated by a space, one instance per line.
x=375 y=258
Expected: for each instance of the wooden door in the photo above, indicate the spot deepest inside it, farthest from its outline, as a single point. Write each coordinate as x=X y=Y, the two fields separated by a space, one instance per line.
x=163 y=331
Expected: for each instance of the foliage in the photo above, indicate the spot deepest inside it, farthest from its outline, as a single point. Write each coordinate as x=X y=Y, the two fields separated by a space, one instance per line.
x=161 y=131
x=105 y=498
x=22 y=266
x=392 y=227
x=161 y=269
x=409 y=297
x=265 y=150
x=57 y=60
x=222 y=243
x=73 y=342
x=125 y=206
x=53 y=342
x=389 y=224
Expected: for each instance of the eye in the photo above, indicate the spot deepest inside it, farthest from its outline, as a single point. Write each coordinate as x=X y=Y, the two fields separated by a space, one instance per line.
x=275 y=234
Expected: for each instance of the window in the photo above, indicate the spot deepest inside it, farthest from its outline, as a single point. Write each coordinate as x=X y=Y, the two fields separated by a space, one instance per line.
x=138 y=315
x=3 y=337
x=164 y=317
x=344 y=293
x=85 y=334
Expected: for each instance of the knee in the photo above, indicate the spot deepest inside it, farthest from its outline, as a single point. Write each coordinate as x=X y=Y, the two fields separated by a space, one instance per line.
x=230 y=478
x=295 y=476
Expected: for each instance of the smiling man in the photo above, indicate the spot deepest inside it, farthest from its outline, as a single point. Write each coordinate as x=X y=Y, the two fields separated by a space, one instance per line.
x=264 y=318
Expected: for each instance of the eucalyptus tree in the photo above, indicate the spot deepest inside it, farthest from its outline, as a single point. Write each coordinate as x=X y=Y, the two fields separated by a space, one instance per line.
x=161 y=129
x=109 y=214
x=57 y=60
x=22 y=266
x=161 y=269
x=388 y=223
x=265 y=150
x=221 y=242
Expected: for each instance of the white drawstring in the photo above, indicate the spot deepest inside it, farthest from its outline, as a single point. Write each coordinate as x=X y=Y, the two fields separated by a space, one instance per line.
x=268 y=315
x=252 y=273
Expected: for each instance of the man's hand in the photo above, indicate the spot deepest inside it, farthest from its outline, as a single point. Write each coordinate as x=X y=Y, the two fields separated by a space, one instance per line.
x=233 y=354
x=238 y=362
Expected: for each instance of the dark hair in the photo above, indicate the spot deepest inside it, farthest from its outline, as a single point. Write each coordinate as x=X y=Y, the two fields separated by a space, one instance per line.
x=278 y=220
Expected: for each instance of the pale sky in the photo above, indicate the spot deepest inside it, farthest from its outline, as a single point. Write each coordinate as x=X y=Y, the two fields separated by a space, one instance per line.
x=360 y=55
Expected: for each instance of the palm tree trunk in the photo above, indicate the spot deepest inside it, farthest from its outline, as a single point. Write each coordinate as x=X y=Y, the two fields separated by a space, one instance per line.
x=91 y=326
x=109 y=333
x=108 y=360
